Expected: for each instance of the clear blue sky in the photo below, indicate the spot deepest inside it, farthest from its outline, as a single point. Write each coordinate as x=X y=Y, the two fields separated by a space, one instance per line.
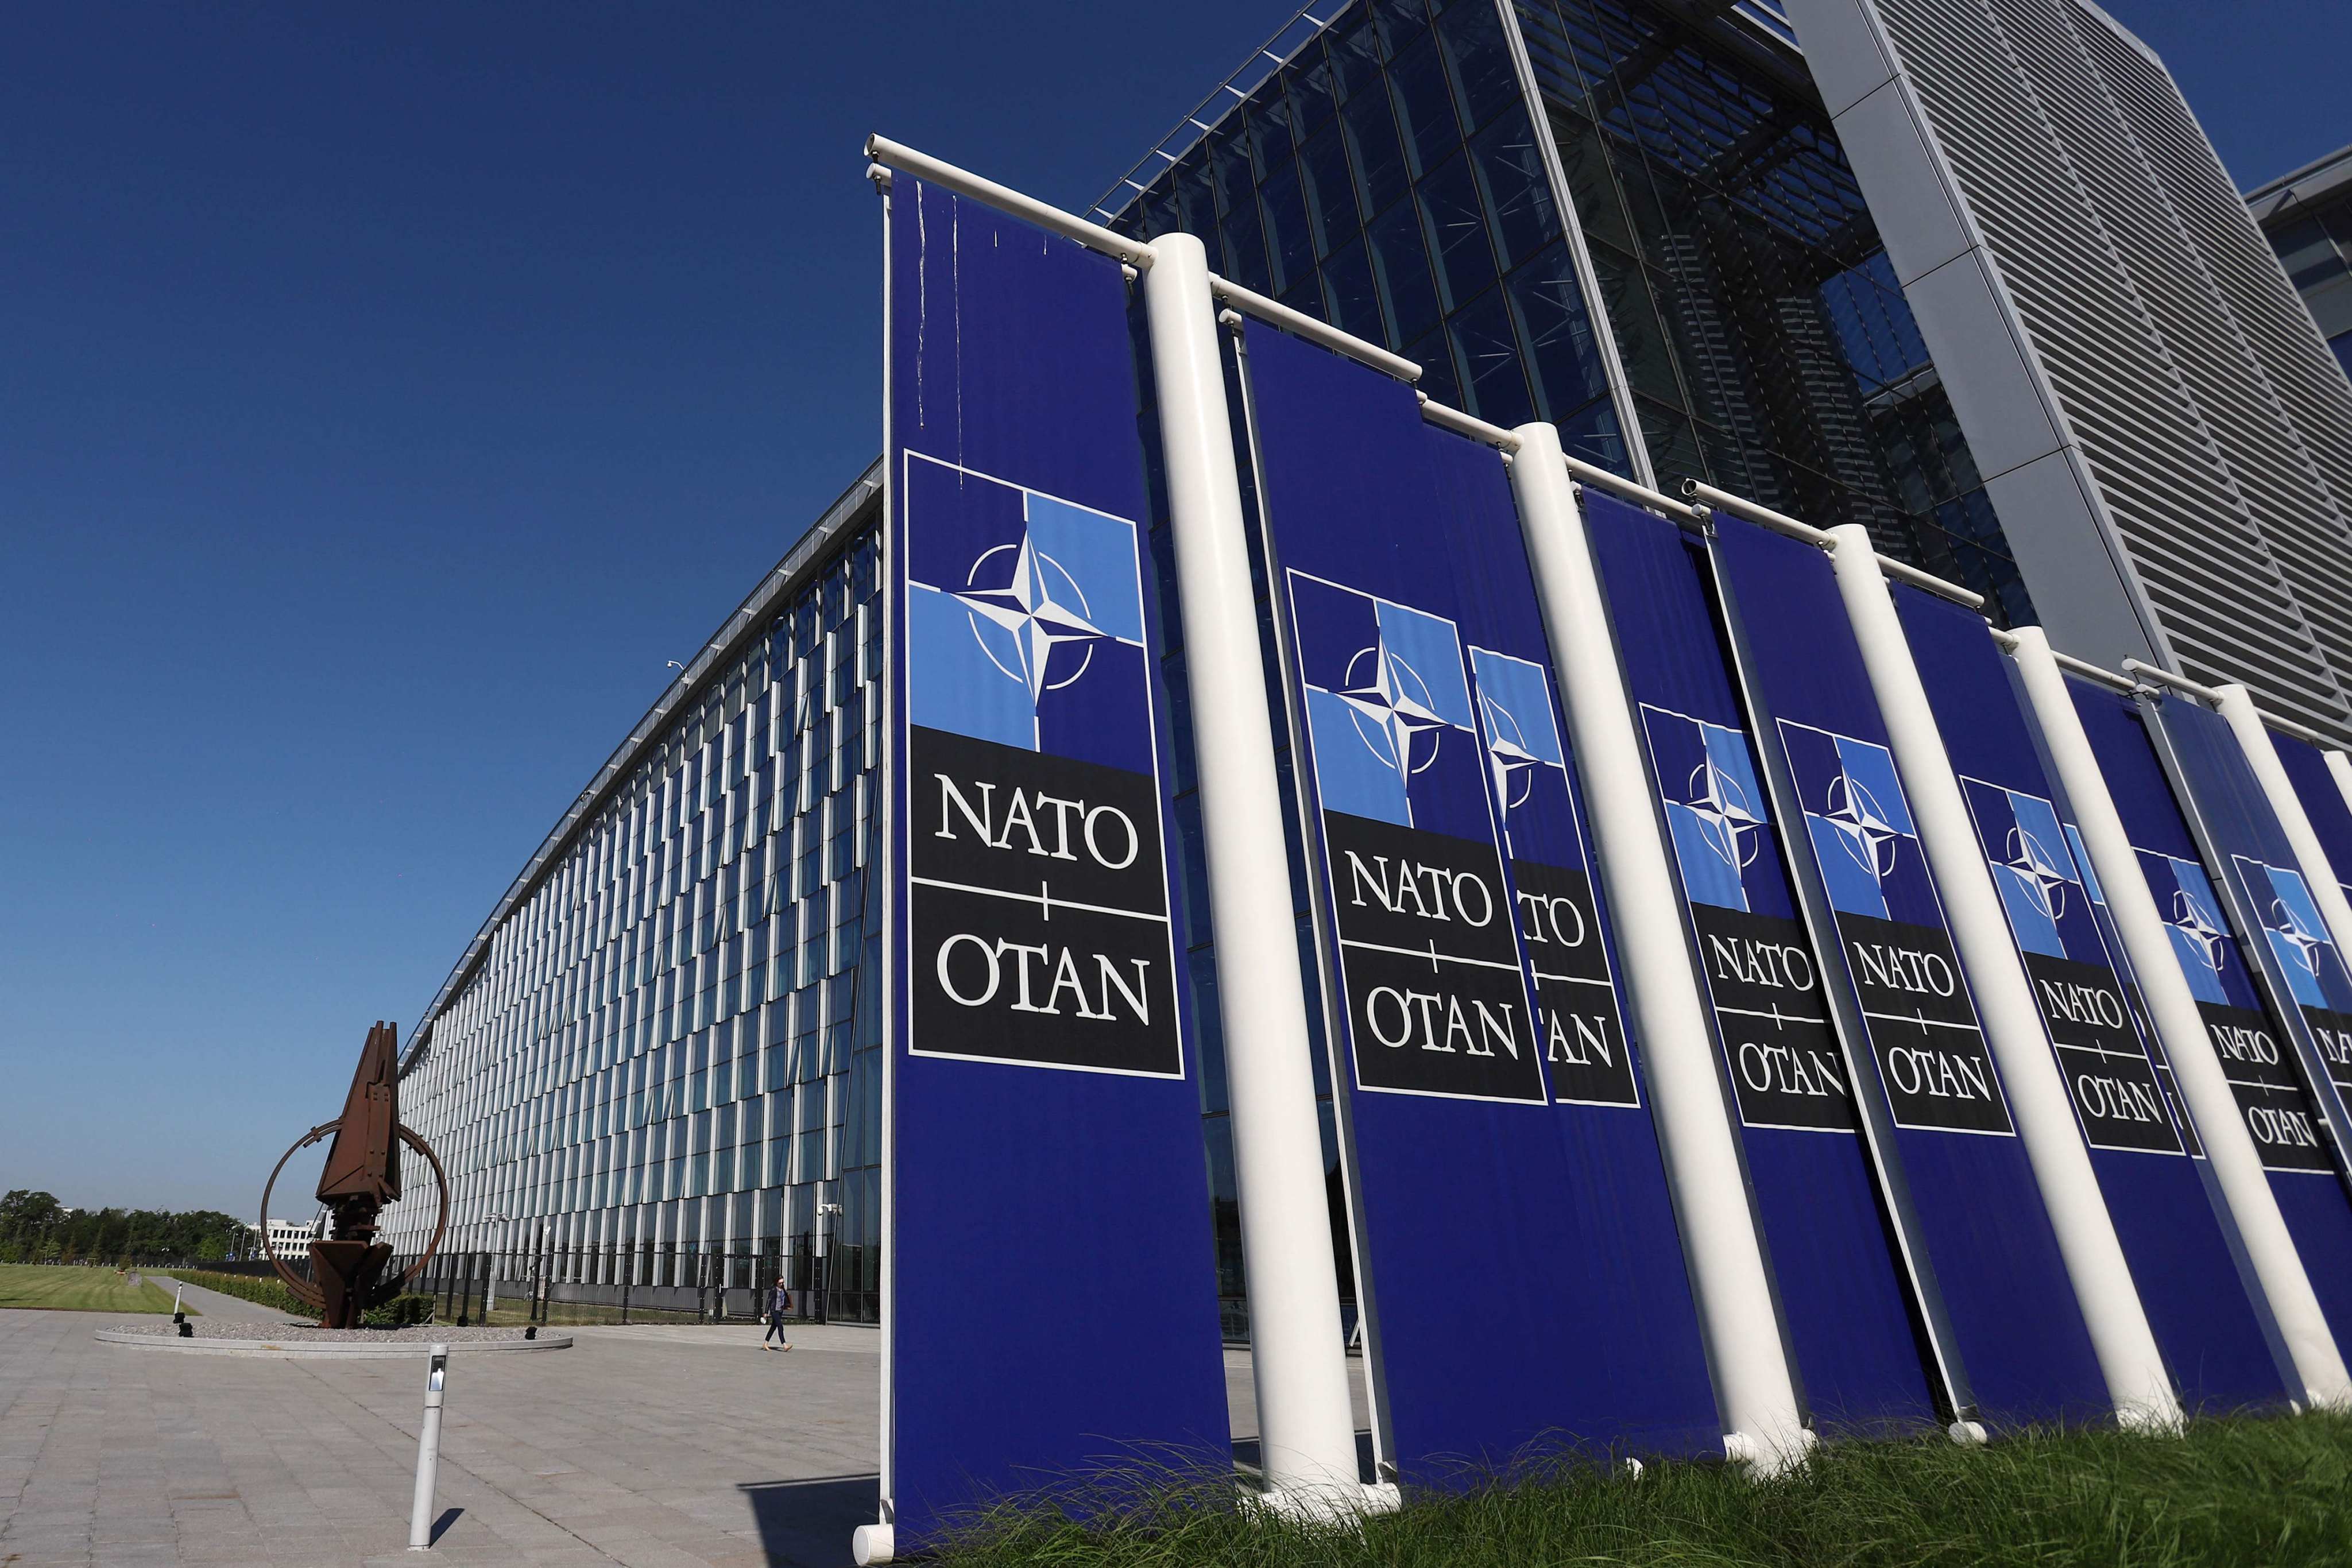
x=387 y=392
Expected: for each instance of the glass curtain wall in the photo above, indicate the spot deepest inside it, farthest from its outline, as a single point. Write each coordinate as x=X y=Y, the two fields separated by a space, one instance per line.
x=672 y=1043
x=1389 y=179
x=1768 y=344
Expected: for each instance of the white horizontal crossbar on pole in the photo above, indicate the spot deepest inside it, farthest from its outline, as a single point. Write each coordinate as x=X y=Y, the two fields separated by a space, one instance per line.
x=1765 y=516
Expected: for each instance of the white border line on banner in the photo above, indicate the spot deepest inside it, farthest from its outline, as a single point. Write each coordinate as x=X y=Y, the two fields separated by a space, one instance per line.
x=886 y=155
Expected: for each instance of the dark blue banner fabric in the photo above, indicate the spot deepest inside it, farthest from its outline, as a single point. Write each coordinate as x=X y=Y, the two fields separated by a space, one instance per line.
x=2295 y=950
x=1842 y=1296
x=1526 y=1279
x=2331 y=819
x=1043 y=1128
x=2211 y=1337
x=1981 y=1218
x=2256 y=1050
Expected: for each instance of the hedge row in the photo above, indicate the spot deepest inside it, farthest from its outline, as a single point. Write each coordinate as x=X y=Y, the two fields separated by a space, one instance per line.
x=401 y=1312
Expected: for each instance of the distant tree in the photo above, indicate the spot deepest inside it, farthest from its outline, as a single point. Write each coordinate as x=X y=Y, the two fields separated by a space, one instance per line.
x=34 y=1224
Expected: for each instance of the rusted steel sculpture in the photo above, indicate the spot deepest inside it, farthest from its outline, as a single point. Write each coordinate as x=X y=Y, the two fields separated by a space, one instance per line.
x=361 y=1174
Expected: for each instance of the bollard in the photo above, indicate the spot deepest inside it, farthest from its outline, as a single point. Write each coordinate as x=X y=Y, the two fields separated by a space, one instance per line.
x=428 y=1451
x=179 y=1316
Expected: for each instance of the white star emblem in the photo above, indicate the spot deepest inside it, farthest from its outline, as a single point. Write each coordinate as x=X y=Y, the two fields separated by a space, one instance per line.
x=1728 y=818
x=2291 y=932
x=2190 y=919
x=1391 y=708
x=2033 y=862
x=1507 y=754
x=1042 y=612
x=1862 y=825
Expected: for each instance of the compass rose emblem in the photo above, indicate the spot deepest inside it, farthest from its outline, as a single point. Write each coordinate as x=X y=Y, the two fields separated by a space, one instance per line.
x=1728 y=820
x=2199 y=928
x=1862 y=827
x=1034 y=627
x=1508 y=754
x=1392 y=709
x=2293 y=937
x=2041 y=875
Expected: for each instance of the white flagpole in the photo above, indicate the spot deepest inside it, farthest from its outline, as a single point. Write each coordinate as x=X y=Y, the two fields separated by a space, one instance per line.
x=2128 y=1357
x=1728 y=1277
x=1306 y=1434
x=2172 y=1009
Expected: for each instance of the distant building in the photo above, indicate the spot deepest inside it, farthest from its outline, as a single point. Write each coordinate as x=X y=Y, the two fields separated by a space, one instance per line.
x=2307 y=217
x=290 y=1236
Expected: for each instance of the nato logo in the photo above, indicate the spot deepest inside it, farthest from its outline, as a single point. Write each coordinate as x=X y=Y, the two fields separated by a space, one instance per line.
x=1389 y=710
x=1024 y=618
x=2037 y=874
x=2192 y=918
x=2296 y=931
x=1715 y=812
x=1860 y=826
x=1527 y=760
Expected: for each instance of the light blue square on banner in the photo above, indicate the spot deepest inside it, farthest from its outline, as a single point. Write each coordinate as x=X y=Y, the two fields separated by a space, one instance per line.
x=2192 y=916
x=1851 y=879
x=1871 y=768
x=1349 y=776
x=953 y=682
x=1518 y=700
x=2026 y=899
x=1427 y=646
x=1706 y=848
x=1098 y=553
x=2082 y=866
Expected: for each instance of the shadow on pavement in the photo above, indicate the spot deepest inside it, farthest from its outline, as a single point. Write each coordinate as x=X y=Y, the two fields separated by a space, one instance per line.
x=806 y=1523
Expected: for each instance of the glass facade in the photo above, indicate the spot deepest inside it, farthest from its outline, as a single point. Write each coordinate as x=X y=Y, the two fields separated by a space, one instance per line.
x=670 y=1044
x=1390 y=178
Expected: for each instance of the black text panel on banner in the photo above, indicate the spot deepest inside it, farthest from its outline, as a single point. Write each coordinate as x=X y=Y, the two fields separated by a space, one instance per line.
x=1526 y=1279
x=1043 y=1119
x=1847 y=1309
x=2003 y=1284
x=2256 y=1051
x=2213 y=1338
x=2317 y=787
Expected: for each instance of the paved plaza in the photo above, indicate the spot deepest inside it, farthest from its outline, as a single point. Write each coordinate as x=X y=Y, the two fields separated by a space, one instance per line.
x=659 y=1446
x=652 y=1446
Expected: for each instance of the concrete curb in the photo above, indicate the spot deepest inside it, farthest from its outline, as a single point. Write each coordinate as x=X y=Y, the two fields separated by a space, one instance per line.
x=354 y=1350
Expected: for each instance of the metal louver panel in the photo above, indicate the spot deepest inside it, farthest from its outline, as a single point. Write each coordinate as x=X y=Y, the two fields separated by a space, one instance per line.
x=2214 y=420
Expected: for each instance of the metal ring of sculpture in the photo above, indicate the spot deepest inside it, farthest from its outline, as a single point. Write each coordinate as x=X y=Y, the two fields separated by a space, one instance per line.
x=308 y=1293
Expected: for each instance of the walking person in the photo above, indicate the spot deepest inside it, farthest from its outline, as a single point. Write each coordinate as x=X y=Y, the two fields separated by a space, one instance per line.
x=779 y=1301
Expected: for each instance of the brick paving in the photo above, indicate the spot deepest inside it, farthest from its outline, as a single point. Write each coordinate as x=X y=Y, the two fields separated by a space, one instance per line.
x=660 y=1446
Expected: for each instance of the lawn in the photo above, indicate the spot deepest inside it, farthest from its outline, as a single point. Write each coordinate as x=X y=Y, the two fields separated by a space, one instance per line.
x=2240 y=1490
x=77 y=1289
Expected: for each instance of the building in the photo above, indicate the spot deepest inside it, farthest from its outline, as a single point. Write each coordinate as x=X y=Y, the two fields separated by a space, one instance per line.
x=1966 y=271
x=289 y=1238
x=1963 y=271
x=2307 y=217
x=662 y=1045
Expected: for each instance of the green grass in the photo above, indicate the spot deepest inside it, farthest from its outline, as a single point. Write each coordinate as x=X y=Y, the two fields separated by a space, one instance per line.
x=73 y=1289
x=2240 y=1490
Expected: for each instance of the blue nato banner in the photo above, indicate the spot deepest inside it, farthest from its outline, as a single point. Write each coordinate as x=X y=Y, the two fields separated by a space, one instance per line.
x=2294 y=951
x=1525 y=1279
x=2213 y=1338
x=1844 y=1296
x=2331 y=820
x=2003 y=1285
x=2255 y=1051
x=1051 y=1296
